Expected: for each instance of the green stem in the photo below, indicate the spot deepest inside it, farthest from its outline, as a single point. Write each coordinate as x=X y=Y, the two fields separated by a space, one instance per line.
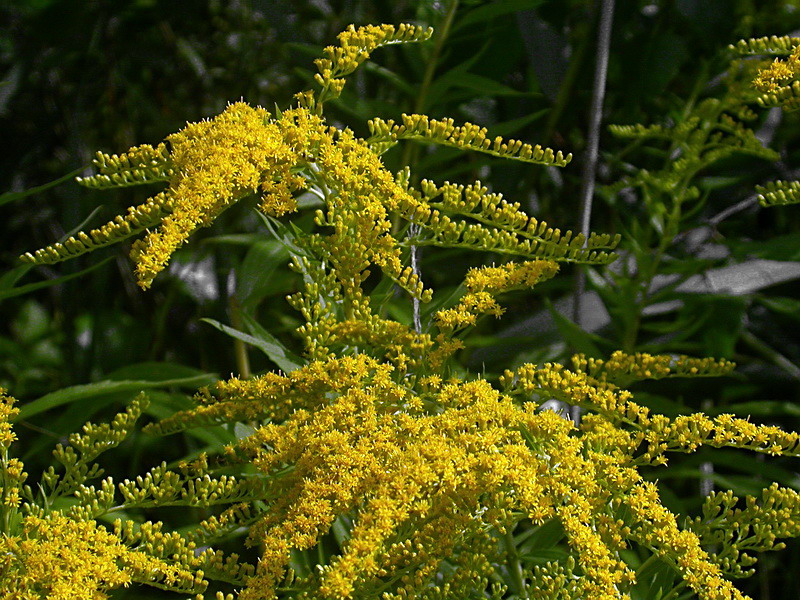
x=648 y=272
x=514 y=564
x=239 y=348
x=593 y=138
x=673 y=593
x=411 y=151
x=5 y=511
x=770 y=354
x=651 y=559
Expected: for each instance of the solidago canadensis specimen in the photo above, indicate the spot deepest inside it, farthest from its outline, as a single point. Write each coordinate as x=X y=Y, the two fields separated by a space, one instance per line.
x=421 y=478
x=776 y=84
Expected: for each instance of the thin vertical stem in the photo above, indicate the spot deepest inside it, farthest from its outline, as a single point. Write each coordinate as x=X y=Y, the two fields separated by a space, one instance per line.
x=412 y=231
x=595 y=117
x=410 y=152
x=240 y=350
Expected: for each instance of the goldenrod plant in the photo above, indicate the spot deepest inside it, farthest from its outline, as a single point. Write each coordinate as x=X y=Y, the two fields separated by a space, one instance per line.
x=778 y=85
x=375 y=467
x=706 y=132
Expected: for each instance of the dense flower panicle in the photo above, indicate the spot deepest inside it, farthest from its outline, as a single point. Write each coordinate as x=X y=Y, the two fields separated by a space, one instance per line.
x=51 y=544
x=272 y=397
x=63 y=559
x=484 y=283
x=685 y=433
x=217 y=162
x=356 y=45
x=480 y=456
x=657 y=528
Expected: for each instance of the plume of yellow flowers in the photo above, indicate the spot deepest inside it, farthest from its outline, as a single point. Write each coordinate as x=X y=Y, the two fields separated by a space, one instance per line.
x=61 y=559
x=348 y=439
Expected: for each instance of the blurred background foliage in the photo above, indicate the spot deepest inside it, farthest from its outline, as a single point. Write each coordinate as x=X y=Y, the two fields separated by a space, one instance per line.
x=106 y=75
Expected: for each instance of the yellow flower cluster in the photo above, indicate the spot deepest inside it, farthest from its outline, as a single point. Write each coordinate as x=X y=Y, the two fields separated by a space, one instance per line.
x=779 y=73
x=64 y=552
x=62 y=559
x=216 y=162
x=212 y=164
x=685 y=433
x=12 y=474
x=623 y=369
x=656 y=527
x=272 y=397
x=466 y=137
x=8 y=412
x=484 y=283
x=421 y=477
x=401 y=475
x=347 y=438
x=356 y=45
x=779 y=81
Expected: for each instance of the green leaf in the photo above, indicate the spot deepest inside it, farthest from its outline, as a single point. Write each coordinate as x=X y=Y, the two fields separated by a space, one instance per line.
x=80 y=392
x=24 y=289
x=656 y=578
x=543 y=537
x=485 y=86
x=781 y=305
x=722 y=332
x=781 y=247
x=157 y=371
x=264 y=341
x=255 y=277
x=492 y=10
x=32 y=322
x=283 y=234
x=511 y=126
x=580 y=340
x=761 y=408
x=660 y=60
x=281 y=355
x=14 y=196
x=235 y=239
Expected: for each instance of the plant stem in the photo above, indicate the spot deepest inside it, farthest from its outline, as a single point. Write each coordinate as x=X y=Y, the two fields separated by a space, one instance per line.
x=650 y=559
x=239 y=348
x=514 y=565
x=411 y=151
x=590 y=162
x=673 y=593
x=770 y=354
